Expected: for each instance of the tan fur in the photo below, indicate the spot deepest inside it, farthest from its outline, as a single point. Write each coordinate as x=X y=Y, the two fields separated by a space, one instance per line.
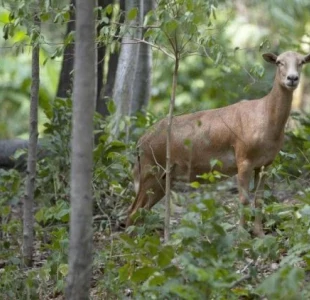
x=244 y=136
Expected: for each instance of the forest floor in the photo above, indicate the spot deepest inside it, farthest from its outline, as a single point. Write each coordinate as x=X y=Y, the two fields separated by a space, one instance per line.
x=226 y=192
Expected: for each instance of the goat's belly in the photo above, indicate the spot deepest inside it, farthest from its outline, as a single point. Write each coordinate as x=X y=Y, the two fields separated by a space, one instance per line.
x=264 y=160
x=265 y=156
x=224 y=162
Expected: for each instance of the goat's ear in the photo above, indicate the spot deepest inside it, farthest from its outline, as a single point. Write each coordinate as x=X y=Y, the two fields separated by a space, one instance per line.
x=270 y=57
x=306 y=59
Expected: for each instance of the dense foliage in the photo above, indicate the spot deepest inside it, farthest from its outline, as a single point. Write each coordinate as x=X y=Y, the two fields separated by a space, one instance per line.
x=208 y=256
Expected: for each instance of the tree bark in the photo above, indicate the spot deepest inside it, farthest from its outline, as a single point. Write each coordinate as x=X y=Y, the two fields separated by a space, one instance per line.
x=143 y=76
x=112 y=68
x=105 y=90
x=65 y=79
x=28 y=230
x=100 y=107
x=126 y=69
x=84 y=95
x=168 y=151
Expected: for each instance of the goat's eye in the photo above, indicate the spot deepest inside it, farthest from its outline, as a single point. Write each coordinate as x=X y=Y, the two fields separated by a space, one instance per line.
x=279 y=63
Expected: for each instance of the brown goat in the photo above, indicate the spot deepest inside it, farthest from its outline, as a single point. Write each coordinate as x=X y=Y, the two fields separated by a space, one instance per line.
x=245 y=137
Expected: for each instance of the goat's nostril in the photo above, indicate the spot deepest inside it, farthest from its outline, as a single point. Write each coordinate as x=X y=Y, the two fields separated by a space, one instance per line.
x=292 y=77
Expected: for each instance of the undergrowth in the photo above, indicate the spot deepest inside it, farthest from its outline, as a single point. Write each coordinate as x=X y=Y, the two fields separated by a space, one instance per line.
x=208 y=256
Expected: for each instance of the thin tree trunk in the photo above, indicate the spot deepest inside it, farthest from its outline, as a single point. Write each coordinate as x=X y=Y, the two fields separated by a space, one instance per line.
x=168 y=151
x=100 y=104
x=111 y=72
x=107 y=92
x=101 y=52
x=143 y=76
x=28 y=221
x=84 y=95
x=126 y=69
x=65 y=79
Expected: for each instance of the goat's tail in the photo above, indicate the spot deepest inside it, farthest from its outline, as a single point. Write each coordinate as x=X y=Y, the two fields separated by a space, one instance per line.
x=137 y=177
x=137 y=181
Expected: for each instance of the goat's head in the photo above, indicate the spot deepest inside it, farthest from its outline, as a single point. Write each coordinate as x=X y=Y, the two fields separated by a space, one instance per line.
x=289 y=67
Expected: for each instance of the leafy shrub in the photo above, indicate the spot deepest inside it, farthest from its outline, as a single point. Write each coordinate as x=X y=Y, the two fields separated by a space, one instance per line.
x=206 y=258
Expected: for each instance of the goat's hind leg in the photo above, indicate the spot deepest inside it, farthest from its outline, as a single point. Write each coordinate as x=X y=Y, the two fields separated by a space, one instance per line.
x=258 y=201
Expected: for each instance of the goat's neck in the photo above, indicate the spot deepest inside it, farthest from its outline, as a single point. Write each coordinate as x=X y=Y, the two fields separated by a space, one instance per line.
x=278 y=102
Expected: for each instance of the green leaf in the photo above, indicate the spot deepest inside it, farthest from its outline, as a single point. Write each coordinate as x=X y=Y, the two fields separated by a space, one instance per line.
x=282 y=284
x=189 y=5
x=219 y=229
x=200 y=273
x=57 y=17
x=152 y=245
x=143 y=273
x=211 y=178
x=66 y=16
x=185 y=291
x=171 y=271
x=171 y=26
x=105 y=20
x=157 y=280
x=213 y=12
x=128 y=240
x=109 y=9
x=195 y=184
x=204 y=176
x=187 y=232
x=63 y=269
x=124 y=272
x=111 y=107
x=117 y=144
x=219 y=57
x=132 y=14
x=11 y=16
x=64 y=215
x=39 y=216
x=6 y=245
x=45 y=17
x=165 y=256
x=122 y=125
x=6 y=31
x=215 y=162
x=151 y=33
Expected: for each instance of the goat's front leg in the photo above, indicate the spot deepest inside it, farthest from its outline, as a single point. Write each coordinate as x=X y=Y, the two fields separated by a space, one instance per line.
x=258 y=201
x=244 y=177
